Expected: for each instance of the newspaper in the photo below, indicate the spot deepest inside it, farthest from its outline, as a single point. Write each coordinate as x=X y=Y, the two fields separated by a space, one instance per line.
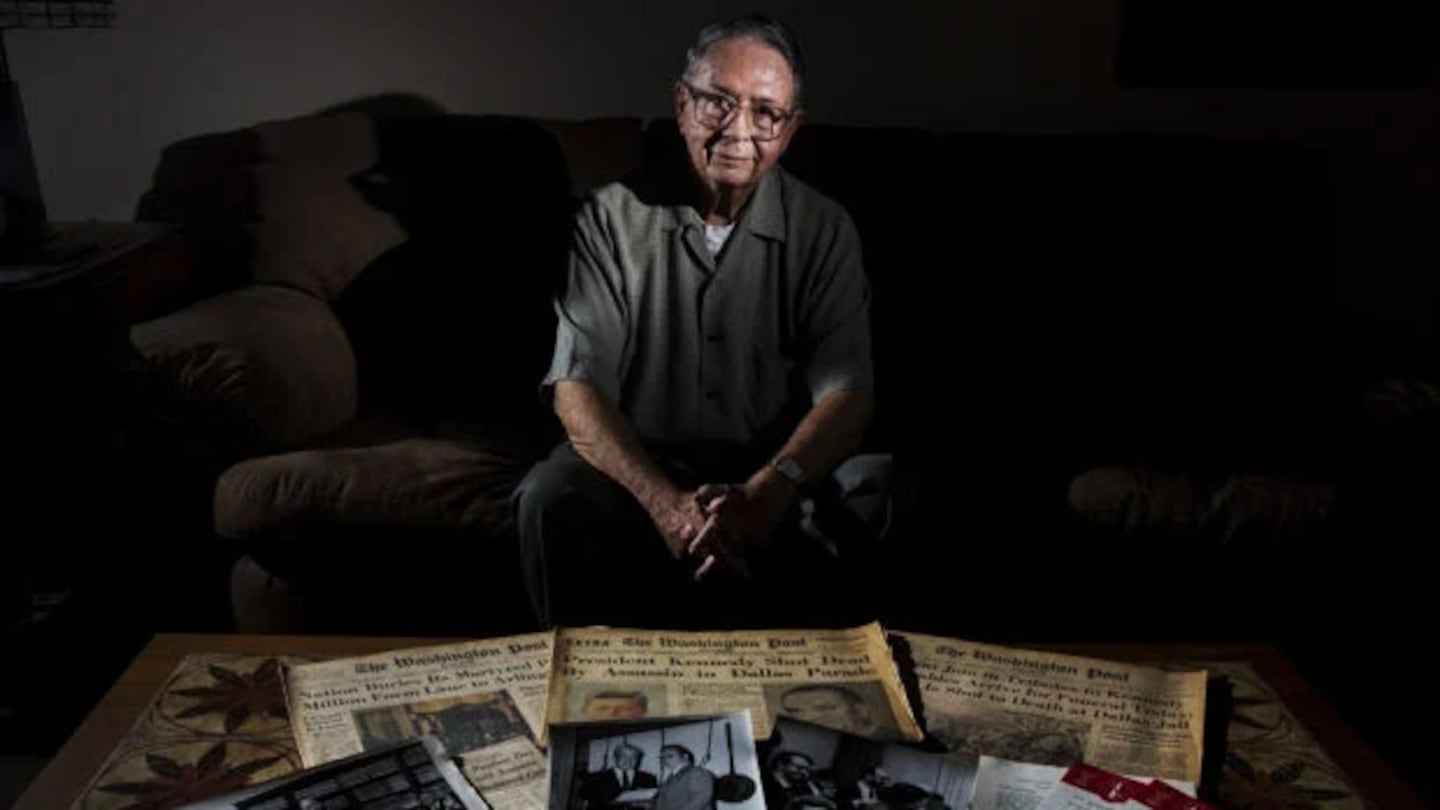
x=1004 y=785
x=412 y=774
x=841 y=679
x=485 y=700
x=1054 y=709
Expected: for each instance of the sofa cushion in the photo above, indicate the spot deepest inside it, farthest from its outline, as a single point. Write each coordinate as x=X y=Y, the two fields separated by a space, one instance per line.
x=271 y=363
x=317 y=230
x=1243 y=510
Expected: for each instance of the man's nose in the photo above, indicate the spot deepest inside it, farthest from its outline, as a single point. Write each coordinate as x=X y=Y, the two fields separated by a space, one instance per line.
x=739 y=124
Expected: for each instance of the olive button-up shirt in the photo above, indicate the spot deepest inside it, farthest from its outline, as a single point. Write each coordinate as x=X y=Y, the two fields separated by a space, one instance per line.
x=695 y=348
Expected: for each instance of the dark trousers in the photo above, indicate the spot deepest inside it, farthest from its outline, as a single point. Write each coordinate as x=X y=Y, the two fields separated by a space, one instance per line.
x=591 y=554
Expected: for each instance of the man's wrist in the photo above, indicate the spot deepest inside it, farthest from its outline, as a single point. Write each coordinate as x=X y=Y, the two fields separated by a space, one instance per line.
x=770 y=486
x=657 y=496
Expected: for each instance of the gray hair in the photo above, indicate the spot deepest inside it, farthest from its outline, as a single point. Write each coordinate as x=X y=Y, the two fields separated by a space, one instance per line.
x=768 y=30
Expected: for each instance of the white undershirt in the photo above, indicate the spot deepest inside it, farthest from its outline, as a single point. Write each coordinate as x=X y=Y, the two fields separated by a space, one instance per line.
x=716 y=235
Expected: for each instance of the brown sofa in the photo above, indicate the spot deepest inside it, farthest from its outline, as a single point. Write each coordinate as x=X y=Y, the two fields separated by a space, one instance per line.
x=1099 y=349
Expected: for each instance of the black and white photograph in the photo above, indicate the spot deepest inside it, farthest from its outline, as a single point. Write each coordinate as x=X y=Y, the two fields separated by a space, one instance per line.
x=806 y=766
x=418 y=774
x=694 y=763
x=859 y=708
x=463 y=723
x=1016 y=736
x=603 y=702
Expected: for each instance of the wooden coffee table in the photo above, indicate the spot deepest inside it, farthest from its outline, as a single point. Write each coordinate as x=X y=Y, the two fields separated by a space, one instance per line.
x=67 y=776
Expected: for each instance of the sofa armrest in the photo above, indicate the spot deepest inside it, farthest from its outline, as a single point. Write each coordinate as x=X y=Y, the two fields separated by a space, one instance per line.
x=288 y=510
x=271 y=363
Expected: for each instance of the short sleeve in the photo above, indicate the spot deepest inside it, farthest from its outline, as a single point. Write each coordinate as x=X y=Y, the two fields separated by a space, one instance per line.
x=590 y=335
x=837 y=322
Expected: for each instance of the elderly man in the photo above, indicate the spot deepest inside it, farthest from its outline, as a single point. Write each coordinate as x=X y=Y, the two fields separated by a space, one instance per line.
x=711 y=370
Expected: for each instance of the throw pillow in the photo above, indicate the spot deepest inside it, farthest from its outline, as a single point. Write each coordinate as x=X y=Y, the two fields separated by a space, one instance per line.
x=272 y=362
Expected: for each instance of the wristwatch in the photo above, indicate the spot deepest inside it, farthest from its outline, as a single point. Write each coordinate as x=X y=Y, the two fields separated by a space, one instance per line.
x=789 y=469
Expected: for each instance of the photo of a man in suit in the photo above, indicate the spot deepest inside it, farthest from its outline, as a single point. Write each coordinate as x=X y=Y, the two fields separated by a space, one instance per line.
x=601 y=788
x=790 y=775
x=685 y=785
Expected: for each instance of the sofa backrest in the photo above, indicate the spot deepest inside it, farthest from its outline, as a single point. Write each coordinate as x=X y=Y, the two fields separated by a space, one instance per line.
x=1085 y=296
x=457 y=322
x=1090 y=296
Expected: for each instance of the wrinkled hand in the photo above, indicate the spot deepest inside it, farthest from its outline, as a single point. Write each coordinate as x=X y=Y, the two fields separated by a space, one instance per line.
x=680 y=519
x=740 y=516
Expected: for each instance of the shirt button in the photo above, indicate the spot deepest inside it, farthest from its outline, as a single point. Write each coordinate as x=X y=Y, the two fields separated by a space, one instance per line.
x=712 y=338
x=712 y=394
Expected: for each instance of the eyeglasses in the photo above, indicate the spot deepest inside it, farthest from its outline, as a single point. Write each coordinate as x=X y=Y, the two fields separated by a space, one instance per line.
x=717 y=110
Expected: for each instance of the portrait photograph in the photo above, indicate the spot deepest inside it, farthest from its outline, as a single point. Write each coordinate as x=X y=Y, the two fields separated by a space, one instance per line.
x=604 y=702
x=807 y=766
x=859 y=708
x=464 y=723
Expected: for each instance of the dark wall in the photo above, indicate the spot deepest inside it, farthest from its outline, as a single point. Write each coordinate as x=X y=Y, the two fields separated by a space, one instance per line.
x=103 y=103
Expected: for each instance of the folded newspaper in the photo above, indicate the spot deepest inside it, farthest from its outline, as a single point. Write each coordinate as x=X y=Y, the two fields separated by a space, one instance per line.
x=1055 y=709
x=485 y=700
x=840 y=679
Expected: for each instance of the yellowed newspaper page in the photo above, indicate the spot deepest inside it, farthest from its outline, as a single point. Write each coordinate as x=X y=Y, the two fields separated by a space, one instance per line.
x=1054 y=709
x=485 y=700
x=842 y=679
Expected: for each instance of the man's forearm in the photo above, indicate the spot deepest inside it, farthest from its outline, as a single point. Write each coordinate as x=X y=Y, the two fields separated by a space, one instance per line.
x=831 y=430
x=602 y=437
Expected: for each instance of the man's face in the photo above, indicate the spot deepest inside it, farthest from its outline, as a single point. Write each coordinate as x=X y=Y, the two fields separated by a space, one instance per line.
x=626 y=759
x=754 y=75
x=823 y=707
x=795 y=769
x=670 y=760
x=619 y=707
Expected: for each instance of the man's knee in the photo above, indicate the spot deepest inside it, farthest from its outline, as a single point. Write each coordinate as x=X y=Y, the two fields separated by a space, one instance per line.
x=563 y=481
x=866 y=484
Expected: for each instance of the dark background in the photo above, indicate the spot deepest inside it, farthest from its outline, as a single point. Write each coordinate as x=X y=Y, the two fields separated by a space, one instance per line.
x=1356 y=82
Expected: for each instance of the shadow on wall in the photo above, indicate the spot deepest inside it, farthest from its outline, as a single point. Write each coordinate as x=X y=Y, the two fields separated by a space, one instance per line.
x=386 y=104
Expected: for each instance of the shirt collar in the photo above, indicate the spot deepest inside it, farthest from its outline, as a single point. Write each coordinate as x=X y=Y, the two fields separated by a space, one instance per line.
x=763 y=215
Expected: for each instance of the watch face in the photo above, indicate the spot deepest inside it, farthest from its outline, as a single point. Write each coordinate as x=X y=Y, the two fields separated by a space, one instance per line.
x=789 y=468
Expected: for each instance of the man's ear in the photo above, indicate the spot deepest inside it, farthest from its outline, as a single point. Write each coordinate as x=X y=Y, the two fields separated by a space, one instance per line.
x=680 y=97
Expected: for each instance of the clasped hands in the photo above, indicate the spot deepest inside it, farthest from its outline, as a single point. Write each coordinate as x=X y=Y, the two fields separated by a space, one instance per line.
x=717 y=523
